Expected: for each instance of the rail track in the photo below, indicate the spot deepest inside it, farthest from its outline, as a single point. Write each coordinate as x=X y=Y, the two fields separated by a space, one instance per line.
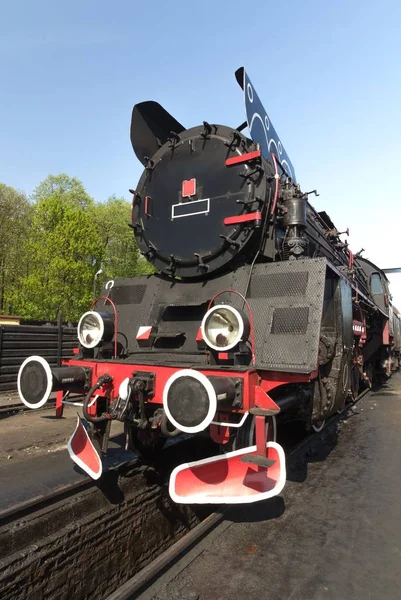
x=32 y=505
x=140 y=581
x=24 y=509
x=14 y=408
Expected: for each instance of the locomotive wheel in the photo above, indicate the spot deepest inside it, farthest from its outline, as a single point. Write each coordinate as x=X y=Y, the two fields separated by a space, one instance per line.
x=246 y=434
x=368 y=371
x=147 y=443
x=354 y=381
x=96 y=439
x=98 y=430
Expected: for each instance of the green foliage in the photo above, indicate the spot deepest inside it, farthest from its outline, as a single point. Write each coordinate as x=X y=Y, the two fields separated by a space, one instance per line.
x=64 y=238
x=62 y=186
x=120 y=254
x=120 y=257
x=65 y=250
x=15 y=216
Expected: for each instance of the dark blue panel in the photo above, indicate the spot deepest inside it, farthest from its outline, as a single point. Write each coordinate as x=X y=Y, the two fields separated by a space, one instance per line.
x=261 y=128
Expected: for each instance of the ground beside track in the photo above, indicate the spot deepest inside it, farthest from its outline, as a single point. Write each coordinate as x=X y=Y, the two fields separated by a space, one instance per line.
x=34 y=458
x=333 y=534
x=83 y=545
x=35 y=432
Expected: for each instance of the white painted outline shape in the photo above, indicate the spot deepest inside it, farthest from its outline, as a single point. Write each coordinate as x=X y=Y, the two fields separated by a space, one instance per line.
x=200 y=212
x=49 y=386
x=210 y=392
x=77 y=460
x=202 y=499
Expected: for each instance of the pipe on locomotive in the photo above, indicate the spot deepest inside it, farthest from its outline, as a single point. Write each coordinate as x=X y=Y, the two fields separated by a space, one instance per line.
x=37 y=380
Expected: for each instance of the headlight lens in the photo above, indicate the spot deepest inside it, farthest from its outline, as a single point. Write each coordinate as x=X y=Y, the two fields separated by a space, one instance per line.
x=223 y=327
x=94 y=327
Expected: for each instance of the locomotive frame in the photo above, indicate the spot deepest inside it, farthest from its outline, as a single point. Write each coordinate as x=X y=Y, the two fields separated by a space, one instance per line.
x=259 y=312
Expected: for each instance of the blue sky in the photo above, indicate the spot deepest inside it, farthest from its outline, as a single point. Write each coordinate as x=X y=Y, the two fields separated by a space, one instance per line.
x=329 y=75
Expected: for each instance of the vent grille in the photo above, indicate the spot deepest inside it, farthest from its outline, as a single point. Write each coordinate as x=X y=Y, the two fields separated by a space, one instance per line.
x=290 y=320
x=128 y=294
x=279 y=284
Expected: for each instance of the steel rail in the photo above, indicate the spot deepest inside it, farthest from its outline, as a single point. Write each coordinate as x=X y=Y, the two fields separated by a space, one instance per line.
x=22 y=509
x=20 y=407
x=157 y=566
x=8 y=409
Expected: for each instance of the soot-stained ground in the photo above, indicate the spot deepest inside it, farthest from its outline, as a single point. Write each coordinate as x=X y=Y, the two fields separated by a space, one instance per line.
x=333 y=534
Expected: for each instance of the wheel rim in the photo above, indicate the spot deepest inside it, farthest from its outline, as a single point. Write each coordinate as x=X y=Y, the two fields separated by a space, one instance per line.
x=355 y=381
x=245 y=437
x=143 y=443
x=368 y=371
x=271 y=430
x=317 y=426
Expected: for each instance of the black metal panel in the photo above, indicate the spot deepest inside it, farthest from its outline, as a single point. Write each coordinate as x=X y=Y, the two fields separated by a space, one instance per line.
x=128 y=294
x=260 y=126
x=286 y=320
x=288 y=327
x=175 y=307
x=346 y=312
x=275 y=285
x=290 y=320
x=20 y=341
x=151 y=125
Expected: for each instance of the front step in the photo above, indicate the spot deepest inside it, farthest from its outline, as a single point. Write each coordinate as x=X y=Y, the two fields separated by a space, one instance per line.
x=227 y=479
x=257 y=459
x=263 y=412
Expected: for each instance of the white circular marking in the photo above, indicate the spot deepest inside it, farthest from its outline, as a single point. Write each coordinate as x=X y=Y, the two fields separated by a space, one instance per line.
x=257 y=116
x=49 y=386
x=272 y=141
x=287 y=168
x=210 y=392
x=267 y=123
x=280 y=147
x=240 y=327
x=249 y=92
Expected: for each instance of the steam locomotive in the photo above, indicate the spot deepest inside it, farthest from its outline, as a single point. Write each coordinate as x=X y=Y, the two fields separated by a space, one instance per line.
x=258 y=312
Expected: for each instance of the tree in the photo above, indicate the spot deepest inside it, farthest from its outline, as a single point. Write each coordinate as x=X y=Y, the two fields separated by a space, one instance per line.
x=50 y=250
x=121 y=257
x=15 y=214
x=62 y=186
x=65 y=250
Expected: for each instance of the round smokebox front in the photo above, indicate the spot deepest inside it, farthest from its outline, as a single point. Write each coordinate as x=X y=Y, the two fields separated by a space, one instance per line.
x=189 y=401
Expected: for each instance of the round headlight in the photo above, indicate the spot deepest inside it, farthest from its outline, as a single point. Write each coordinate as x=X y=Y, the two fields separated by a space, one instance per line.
x=223 y=327
x=94 y=327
